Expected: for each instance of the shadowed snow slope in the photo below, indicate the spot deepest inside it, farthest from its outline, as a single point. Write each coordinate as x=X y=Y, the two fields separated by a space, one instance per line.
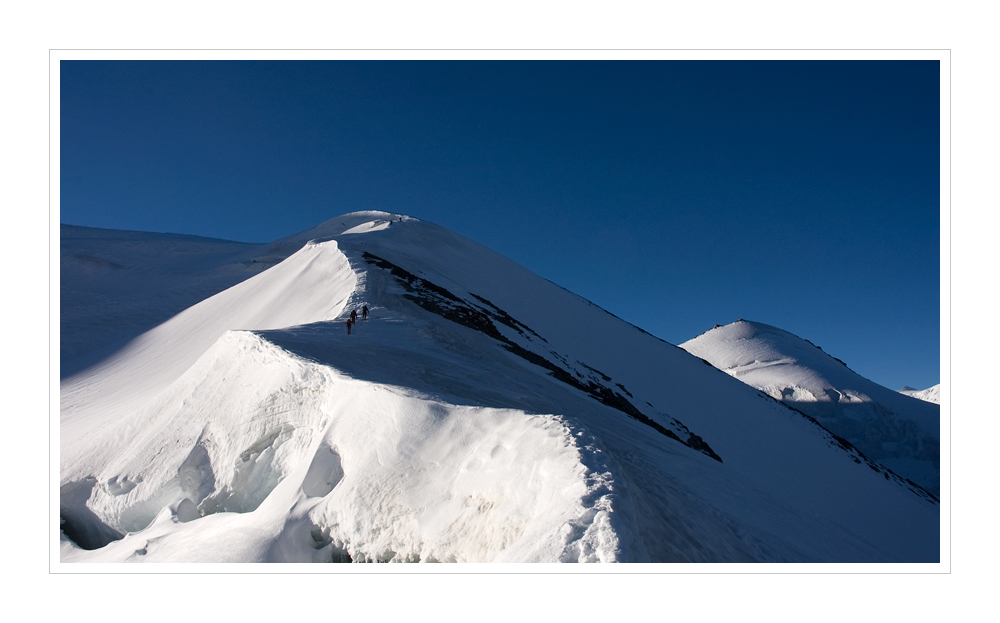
x=479 y=414
x=895 y=430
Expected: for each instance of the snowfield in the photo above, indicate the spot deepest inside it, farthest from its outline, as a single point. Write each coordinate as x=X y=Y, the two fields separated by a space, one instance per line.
x=479 y=414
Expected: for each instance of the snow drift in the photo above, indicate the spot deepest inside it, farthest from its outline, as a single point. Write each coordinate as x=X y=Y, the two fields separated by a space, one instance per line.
x=480 y=414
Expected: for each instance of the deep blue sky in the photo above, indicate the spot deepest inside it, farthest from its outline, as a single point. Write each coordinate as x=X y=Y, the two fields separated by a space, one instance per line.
x=677 y=195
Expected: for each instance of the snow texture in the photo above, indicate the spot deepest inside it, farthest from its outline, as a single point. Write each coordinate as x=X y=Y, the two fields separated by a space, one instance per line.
x=479 y=414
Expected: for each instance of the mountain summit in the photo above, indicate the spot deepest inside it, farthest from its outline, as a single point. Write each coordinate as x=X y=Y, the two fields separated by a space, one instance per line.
x=890 y=428
x=480 y=413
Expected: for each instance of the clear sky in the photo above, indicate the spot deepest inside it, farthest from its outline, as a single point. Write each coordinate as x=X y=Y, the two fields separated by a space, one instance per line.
x=675 y=194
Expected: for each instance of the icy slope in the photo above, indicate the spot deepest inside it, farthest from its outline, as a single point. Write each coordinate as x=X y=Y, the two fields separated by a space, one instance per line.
x=890 y=428
x=931 y=394
x=480 y=414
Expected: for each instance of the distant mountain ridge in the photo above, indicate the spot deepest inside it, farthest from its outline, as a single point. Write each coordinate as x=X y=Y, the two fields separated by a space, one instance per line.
x=931 y=394
x=890 y=428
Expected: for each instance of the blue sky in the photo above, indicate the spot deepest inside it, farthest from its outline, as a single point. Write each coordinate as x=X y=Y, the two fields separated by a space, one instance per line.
x=675 y=194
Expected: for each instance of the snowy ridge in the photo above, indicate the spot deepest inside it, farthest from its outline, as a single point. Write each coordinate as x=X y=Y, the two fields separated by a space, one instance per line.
x=101 y=270
x=889 y=428
x=480 y=413
x=116 y=285
x=283 y=296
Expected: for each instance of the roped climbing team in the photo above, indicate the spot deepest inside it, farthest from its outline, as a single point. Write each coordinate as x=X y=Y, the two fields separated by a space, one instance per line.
x=354 y=317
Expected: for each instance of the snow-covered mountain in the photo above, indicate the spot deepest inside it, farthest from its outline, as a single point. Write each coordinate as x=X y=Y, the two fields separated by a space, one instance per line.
x=480 y=413
x=931 y=394
x=892 y=429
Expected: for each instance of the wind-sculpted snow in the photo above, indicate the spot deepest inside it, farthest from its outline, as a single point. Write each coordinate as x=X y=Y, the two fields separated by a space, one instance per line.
x=375 y=472
x=116 y=285
x=479 y=414
x=95 y=400
x=889 y=428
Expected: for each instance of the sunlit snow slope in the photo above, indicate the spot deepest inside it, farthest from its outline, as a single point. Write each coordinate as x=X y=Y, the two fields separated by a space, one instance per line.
x=931 y=394
x=480 y=414
x=895 y=430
